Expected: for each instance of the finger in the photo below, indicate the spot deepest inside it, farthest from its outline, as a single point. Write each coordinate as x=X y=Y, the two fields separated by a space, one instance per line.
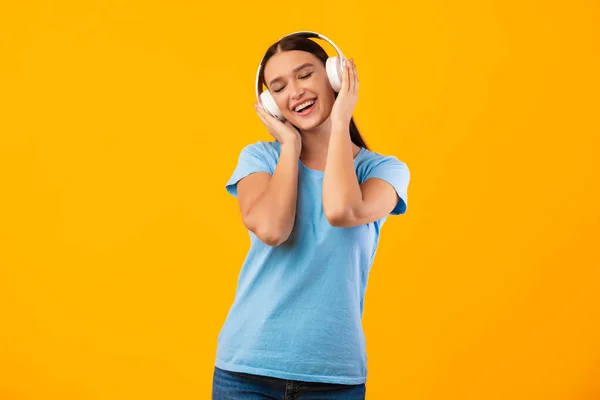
x=261 y=114
x=257 y=108
x=352 y=76
x=356 y=81
x=345 y=77
x=261 y=118
x=266 y=115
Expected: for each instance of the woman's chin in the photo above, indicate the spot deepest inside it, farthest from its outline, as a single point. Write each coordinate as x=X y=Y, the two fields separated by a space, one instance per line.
x=307 y=124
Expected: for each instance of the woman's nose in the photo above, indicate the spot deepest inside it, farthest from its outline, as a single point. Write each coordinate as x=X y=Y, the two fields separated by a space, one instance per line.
x=296 y=91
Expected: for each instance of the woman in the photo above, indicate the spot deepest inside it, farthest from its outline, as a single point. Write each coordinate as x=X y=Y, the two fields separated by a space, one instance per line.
x=314 y=201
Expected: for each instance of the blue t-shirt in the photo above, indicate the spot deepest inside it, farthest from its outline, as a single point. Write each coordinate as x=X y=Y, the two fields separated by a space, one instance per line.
x=297 y=311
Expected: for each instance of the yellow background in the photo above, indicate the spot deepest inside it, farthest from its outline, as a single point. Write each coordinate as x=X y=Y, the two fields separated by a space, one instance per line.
x=120 y=122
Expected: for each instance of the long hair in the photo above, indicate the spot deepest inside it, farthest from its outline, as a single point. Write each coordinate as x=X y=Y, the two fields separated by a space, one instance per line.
x=298 y=42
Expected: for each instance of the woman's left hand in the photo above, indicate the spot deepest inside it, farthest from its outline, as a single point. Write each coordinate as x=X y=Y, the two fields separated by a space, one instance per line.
x=344 y=104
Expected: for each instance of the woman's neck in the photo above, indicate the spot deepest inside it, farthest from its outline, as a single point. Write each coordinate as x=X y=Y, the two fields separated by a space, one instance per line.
x=315 y=143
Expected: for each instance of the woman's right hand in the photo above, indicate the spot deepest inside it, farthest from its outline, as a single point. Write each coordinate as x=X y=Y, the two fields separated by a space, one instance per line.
x=284 y=132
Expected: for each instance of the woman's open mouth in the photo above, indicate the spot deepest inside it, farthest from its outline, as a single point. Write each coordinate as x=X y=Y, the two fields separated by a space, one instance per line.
x=305 y=108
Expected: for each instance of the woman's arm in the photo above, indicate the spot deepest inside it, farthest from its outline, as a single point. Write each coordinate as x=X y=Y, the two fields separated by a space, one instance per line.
x=268 y=202
x=345 y=202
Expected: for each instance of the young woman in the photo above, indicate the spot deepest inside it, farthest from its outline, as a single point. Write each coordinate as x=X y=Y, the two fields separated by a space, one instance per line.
x=314 y=200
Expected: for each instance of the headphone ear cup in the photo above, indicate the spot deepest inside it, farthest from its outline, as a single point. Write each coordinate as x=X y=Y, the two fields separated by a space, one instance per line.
x=334 y=73
x=270 y=106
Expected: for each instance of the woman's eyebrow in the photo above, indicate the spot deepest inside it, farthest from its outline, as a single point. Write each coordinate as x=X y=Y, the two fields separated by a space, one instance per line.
x=294 y=71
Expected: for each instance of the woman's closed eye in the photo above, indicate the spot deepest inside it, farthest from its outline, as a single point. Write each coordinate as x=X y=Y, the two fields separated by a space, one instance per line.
x=302 y=77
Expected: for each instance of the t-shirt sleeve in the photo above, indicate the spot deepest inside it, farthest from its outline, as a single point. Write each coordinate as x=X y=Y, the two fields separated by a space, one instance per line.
x=397 y=174
x=253 y=158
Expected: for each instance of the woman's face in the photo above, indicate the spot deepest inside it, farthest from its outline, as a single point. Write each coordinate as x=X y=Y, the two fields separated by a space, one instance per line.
x=294 y=78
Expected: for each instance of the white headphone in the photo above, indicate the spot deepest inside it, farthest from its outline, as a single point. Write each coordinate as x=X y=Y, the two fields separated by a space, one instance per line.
x=334 y=67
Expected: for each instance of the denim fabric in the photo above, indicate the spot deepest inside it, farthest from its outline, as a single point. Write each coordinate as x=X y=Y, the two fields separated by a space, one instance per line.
x=229 y=385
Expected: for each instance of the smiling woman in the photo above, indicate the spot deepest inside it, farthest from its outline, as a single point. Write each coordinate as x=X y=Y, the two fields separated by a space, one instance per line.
x=314 y=201
x=303 y=47
x=305 y=71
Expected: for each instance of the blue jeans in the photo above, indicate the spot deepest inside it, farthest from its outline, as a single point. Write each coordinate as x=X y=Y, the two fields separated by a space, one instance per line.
x=228 y=385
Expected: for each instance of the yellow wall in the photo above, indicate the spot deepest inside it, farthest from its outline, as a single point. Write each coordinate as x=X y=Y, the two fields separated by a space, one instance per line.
x=119 y=247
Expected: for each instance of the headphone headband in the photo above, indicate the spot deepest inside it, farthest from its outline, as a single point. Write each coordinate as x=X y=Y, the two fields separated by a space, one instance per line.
x=306 y=34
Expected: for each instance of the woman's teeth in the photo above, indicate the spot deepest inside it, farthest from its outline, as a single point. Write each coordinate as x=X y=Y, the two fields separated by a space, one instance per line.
x=303 y=105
